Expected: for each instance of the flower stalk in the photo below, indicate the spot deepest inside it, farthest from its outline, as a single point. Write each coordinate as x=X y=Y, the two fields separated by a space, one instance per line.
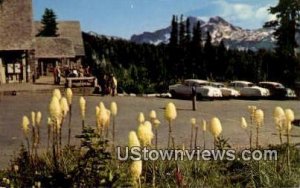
x=170 y=114
x=193 y=122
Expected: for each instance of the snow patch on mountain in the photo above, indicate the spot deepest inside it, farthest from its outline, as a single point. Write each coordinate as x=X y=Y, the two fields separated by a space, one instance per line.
x=234 y=37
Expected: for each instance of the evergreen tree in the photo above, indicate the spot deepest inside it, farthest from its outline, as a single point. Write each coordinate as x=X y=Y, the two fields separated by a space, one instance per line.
x=174 y=32
x=209 y=54
x=188 y=51
x=287 y=13
x=188 y=31
x=181 y=72
x=221 y=61
x=196 y=52
x=49 y=28
x=181 y=32
x=173 y=62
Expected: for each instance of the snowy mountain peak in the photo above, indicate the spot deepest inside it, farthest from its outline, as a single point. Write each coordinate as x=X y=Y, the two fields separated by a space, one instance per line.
x=219 y=29
x=218 y=20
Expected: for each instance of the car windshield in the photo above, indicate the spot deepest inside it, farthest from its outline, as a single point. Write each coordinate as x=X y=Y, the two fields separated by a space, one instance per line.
x=279 y=86
x=195 y=83
x=217 y=85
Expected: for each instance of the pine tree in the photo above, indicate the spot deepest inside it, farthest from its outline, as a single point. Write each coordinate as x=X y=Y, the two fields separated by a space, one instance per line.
x=196 y=50
x=49 y=28
x=221 y=61
x=173 y=61
x=287 y=13
x=174 y=32
x=209 y=54
x=189 y=65
x=188 y=31
x=182 y=50
x=181 y=32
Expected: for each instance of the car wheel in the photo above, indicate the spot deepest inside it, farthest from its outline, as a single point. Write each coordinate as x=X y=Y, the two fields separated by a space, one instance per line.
x=199 y=96
x=173 y=93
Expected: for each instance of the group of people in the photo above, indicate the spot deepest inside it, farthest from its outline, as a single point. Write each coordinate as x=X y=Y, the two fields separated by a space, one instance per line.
x=70 y=72
x=108 y=85
x=78 y=72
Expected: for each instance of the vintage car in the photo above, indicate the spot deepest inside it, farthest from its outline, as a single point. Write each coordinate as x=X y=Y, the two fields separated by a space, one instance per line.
x=203 y=89
x=226 y=92
x=249 y=90
x=277 y=90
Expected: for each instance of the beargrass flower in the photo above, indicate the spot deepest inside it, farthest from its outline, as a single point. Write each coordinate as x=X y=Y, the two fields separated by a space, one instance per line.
x=33 y=120
x=193 y=121
x=69 y=95
x=38 y=117
x=114 y=108
x=259 y=117
x=279 y=117
x=290 y=117
x=55 y=109
x=25 y=125
x=103 y=115
x=101 y=105
x=156 y=123
x=133 y=140
x=204 y=125
x=145 y=133
x=136 y=169
x=170 y=111
x=82 y=104
x=57 y=93
x=152 y=114
x=141 y=117
x=64 y=106
x=243 y=123
x=215 y=127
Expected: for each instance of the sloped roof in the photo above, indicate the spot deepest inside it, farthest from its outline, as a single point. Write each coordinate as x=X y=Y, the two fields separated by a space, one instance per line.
x=54 y=47
x=16 y=25
x=68 y=29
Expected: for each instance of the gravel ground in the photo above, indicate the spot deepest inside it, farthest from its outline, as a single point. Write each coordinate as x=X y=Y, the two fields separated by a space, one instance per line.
x=12 y=108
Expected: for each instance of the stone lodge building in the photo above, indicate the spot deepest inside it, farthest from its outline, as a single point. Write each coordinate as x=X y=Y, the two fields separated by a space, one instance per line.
x=23 y=55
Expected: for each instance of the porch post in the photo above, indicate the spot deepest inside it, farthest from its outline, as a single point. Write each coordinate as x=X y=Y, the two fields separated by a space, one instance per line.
x=2 y=72
x=24 y=68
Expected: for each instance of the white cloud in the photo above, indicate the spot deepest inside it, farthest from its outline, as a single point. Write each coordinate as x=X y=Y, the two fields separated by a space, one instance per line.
x=263 y=14
x=244 y=14
x=204 y=18
x=243 y=11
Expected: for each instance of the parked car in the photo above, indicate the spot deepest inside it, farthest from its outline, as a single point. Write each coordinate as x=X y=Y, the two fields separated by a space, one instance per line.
x=226 y=92
x=277 y=90
x=248 y=89
x=203 y=89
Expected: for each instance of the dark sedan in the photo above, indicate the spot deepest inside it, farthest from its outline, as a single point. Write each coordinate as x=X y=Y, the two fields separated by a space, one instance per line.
x=277 y=90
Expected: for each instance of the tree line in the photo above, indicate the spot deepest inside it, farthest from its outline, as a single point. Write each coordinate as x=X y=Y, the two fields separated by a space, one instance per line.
x=191 y=53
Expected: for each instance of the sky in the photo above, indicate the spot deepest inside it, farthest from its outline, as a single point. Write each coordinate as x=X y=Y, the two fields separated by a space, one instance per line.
x=123 y=18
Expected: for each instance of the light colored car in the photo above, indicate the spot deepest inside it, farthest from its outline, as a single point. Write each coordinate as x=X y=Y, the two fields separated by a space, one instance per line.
x=226 y=92
x=203 y=89
x=248 y=89
x=277 y=90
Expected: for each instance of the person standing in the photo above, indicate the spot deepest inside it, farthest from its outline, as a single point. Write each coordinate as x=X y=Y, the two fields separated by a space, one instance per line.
x=112 y=84
x=102 y=83
x=58 y=75
x=55 y=72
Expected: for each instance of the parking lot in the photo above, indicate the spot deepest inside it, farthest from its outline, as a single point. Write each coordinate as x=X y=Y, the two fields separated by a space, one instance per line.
x=12 y=108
